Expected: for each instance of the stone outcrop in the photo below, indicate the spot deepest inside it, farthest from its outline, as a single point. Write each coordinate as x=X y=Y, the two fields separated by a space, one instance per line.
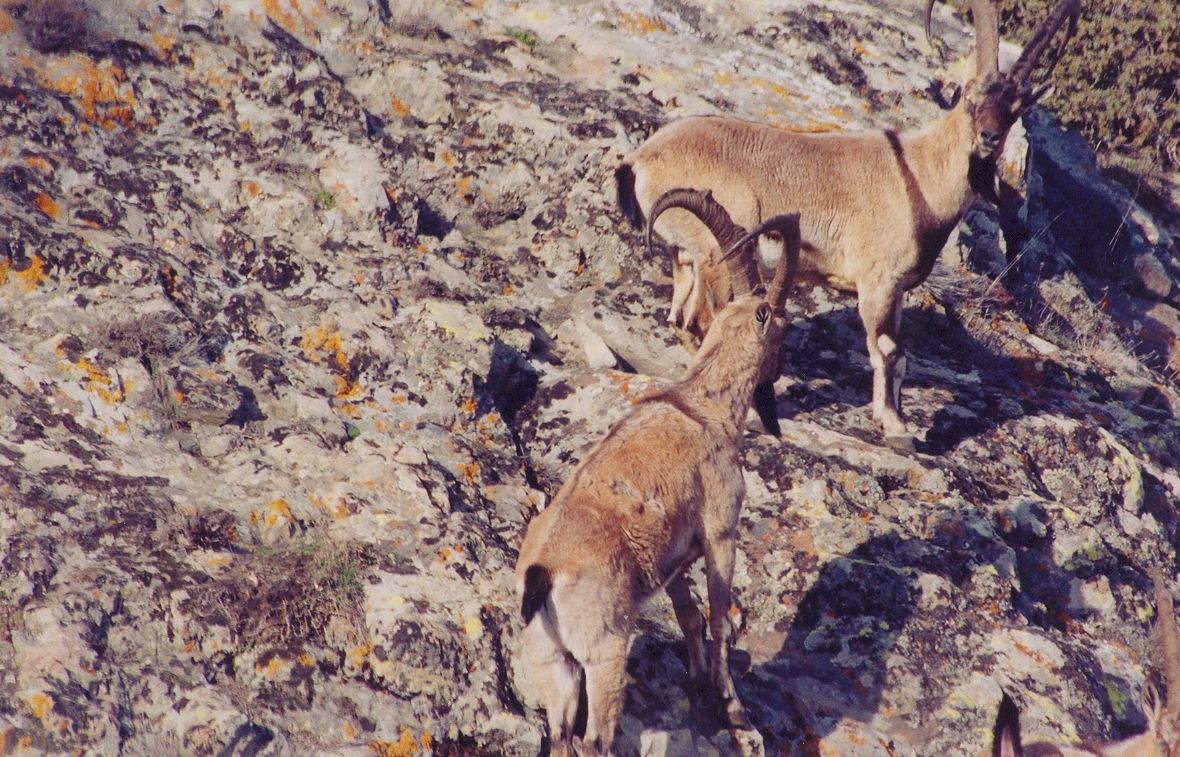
x=305 y=308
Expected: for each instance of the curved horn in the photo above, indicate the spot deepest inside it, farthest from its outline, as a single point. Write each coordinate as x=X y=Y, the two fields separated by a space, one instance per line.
x=788 y=263
x=929 y=9
x=1170 y=641
x=743 y=271
x=1066 y=9
x=987 y=36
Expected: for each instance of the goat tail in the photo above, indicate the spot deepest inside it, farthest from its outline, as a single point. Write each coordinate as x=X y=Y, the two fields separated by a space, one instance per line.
x=538 y=582
x=628 y=202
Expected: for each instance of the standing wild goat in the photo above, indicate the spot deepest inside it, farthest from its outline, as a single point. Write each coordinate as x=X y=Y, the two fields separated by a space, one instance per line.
x=1162 y=737
x=661 y=489
x=876 y=207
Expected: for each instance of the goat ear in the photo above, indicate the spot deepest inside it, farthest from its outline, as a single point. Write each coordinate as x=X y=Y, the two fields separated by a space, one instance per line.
x=935 y=90
x=1030 y=100
x=1149 y=700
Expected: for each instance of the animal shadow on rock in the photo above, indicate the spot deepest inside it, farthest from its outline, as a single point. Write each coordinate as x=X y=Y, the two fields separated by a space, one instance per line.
x=832 y=660
x=995 y=387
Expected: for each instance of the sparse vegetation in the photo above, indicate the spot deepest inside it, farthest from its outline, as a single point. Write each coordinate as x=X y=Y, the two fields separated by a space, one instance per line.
x=524 y=37
x=288 y=594
x=325 y=200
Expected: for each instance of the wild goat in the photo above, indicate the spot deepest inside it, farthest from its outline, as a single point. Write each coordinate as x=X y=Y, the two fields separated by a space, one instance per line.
x=661 y=489
x=1162 y=737
x=876 y=207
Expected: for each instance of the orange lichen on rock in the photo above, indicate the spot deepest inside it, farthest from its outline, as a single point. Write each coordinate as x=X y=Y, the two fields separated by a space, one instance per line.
x=101 y=91
x=46 y=205
x=30 y=278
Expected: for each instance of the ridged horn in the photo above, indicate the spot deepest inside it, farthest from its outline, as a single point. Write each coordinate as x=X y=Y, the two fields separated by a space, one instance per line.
x=743 y=269
x=987 y=34
x=1170 y=641
x=787 y=226
x=1066 y=10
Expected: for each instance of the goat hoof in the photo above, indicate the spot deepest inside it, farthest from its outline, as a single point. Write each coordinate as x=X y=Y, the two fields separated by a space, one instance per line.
x=735 y=715
x=901 y=443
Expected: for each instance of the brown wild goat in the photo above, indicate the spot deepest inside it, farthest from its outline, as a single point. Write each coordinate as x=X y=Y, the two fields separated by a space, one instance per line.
x=661 y=489
x=875 y=207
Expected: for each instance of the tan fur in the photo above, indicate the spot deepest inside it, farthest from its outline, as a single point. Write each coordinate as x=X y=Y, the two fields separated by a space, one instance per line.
x=876 y=207
x=663 y=488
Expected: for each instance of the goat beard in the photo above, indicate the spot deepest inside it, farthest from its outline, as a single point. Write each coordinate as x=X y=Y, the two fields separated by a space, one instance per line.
x=767 y=407
x=981 y=176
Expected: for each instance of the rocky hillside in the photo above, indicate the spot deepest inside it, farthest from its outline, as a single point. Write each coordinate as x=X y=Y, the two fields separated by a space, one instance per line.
x=306 y=307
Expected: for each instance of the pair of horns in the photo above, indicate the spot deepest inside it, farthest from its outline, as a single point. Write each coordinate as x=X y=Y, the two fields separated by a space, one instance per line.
x=987 y=37
x=740 y=247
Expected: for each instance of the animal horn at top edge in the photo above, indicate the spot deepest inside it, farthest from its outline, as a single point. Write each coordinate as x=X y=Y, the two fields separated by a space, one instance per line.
x=743 y=271
x=1035 y=47
x=987 y=35
x=1170 y=634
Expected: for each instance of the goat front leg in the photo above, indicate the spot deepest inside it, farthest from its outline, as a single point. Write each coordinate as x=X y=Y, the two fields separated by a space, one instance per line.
x=720 y=553
x=880 y=311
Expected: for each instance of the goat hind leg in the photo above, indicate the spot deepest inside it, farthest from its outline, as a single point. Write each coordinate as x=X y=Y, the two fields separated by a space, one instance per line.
x=720 y=554
x=558 y=678
x=692 y=623
x=606 y=677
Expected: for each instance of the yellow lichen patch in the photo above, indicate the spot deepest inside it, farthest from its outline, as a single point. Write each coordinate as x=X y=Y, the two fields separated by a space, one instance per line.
x=469 y=471
x=816 y=127
x=272 y=668
x=164 y=44
x=358 y=655
x=278 y=510
x=288 y=13
x=403 y=747
x=399 y=107
x=30 y=278
x=6 y=25
x=46 y=205
x=777 y=89
x=42 y=705
x=41 y=164
x=346 y=390
x=101 y=91
x=642 y=23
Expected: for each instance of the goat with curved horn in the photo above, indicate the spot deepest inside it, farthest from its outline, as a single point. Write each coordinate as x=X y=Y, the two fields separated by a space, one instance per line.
x=741 y=265
x=875 y=207
x=663 y=488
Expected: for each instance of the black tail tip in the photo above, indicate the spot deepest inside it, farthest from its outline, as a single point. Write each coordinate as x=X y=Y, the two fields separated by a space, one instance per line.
x=628 y=202
x=537 y=584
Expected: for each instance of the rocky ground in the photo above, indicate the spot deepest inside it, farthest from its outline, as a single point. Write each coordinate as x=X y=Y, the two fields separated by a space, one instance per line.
x=306 y=307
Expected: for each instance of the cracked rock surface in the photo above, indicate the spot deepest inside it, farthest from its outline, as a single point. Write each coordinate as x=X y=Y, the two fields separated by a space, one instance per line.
x=306 y=308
